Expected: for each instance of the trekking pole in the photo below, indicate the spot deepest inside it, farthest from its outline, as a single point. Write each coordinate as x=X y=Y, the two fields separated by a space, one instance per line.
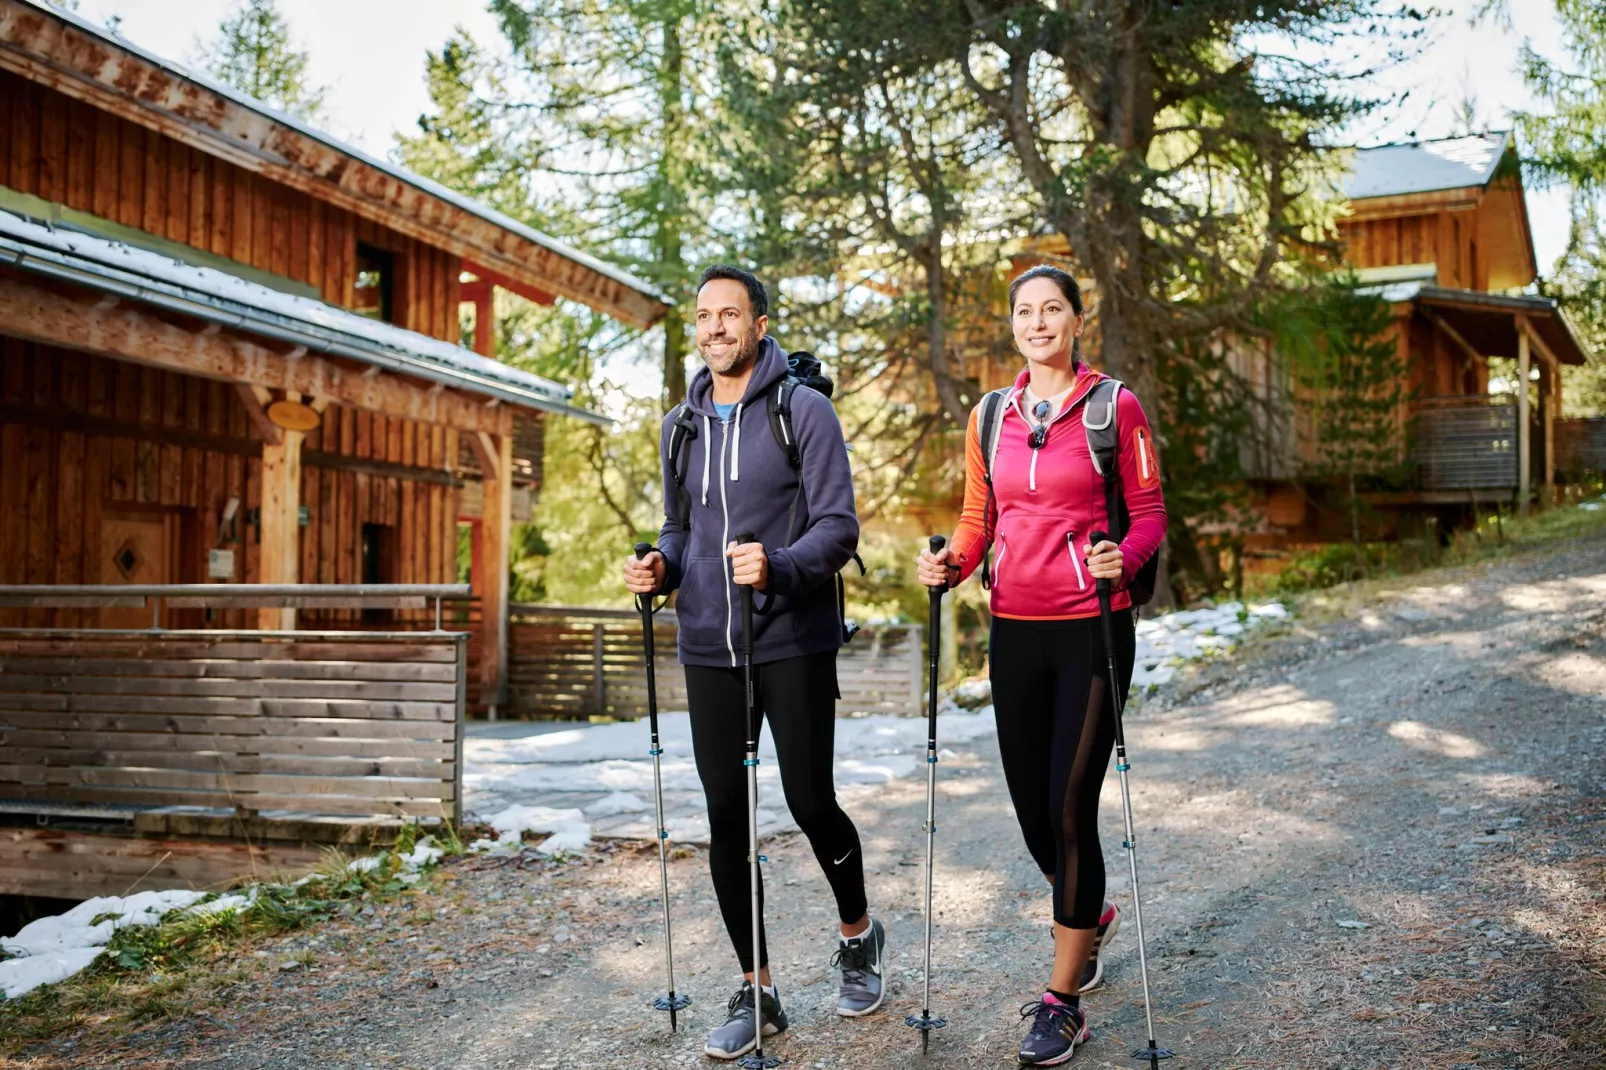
x=1153 y=1053
x=755 y=1059
x=924 y=1021
x=672 y=1002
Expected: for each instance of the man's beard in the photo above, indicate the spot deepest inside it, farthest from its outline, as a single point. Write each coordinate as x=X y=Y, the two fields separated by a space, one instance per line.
x=737 y=357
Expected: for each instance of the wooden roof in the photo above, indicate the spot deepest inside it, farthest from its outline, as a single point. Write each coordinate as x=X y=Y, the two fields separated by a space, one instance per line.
x=58 y=49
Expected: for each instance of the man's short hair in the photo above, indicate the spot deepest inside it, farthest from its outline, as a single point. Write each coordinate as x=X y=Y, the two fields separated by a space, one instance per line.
x=755 y=289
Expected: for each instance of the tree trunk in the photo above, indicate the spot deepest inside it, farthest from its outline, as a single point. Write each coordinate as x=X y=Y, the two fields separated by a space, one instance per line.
x=1355 y=526
x=937 y=333
x=671 y=173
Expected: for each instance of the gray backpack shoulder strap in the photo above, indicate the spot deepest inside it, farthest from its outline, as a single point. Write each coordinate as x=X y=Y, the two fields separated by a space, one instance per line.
x=1098 y=420
x=990 y=425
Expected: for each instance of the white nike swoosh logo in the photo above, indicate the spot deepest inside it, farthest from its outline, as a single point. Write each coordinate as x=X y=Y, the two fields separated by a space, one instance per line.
x=841 y=860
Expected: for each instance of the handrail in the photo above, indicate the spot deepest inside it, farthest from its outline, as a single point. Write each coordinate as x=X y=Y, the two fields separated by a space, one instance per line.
x=235 y=595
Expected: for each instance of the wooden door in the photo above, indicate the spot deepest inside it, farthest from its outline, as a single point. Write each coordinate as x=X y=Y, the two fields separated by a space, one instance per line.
x=137 y=548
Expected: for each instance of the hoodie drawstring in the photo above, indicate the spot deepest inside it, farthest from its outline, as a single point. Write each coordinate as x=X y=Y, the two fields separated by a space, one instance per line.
x=736 y=447
x=708 y=439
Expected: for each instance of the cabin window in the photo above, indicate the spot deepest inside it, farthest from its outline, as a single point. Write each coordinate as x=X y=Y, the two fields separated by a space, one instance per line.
x=376 y=276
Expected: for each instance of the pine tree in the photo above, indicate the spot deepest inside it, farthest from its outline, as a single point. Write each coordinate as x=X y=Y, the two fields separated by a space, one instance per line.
x=1352 y=382
x=254 y=53
x=1566 y=143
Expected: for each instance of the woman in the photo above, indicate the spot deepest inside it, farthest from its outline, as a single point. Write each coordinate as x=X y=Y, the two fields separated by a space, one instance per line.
x=1049 y=669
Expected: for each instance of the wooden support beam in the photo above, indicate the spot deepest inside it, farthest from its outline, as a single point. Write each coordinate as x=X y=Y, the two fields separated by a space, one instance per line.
x=1549 y=402
x=280 y=556
x=496 y=462
x=1524 y=438
x=485 y=320
x=1454 y=335
x=265 y=428
x=38 y=312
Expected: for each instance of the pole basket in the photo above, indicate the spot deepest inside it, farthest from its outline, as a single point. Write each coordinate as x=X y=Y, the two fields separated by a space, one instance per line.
x=1152 y=1055
x=756 y=1060
x=672 y=1003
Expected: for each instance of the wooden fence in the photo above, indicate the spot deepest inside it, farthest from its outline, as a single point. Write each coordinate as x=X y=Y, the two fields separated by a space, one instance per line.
x=324 y=723
x=570 y=661
x=1581 y=446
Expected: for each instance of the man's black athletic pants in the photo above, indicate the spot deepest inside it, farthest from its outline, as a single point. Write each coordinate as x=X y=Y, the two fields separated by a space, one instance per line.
x=798 y=698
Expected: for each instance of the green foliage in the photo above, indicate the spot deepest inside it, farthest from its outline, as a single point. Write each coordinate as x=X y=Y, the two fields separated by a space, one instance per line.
x=1353 y=383
x=1565 y=144
x=144 y=973
x=254 y=53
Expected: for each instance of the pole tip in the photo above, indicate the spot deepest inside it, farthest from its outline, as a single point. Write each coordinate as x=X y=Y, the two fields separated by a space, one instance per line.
x=643 y=549
x=937 y=543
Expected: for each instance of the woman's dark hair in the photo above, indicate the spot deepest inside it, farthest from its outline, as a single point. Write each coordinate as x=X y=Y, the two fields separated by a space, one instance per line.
x=755 y=289
x=1061 y=278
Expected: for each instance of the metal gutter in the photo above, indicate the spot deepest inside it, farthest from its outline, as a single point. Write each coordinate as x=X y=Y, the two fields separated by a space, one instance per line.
x=269 y=324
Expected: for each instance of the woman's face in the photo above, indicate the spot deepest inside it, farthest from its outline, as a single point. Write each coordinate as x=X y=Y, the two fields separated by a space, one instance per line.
x=1045 y=325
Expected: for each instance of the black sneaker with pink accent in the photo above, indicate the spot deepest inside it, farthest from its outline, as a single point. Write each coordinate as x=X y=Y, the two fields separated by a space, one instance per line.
x=1057 y=1028
x=1093 y=972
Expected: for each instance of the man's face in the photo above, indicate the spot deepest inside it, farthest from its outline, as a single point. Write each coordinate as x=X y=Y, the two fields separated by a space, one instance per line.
x=727 y=333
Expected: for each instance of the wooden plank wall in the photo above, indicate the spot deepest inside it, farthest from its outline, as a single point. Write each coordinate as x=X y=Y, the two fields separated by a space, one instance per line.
x=577 y=662
x=185 y=443
x=352 y=725
x=422 y=515
x=66 y=151
x=80 y=434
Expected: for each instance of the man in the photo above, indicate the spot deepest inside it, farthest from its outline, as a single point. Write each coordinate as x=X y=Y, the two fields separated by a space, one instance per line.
x=734 y=476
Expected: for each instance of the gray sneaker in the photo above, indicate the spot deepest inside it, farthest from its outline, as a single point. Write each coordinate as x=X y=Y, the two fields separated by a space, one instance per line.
x=735 y=1038
x=861 y=960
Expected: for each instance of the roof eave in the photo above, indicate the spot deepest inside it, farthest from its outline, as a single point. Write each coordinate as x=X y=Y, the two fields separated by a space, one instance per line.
x=61 y=50
x=265 y=323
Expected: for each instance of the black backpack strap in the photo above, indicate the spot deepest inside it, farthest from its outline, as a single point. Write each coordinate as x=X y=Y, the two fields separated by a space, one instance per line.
x=683 y=430
x=780 y=411
x=988 y=427
x=1104 y=447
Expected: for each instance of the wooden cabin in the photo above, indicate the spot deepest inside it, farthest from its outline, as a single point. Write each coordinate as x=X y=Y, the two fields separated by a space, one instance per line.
x=230 y=345
x=1440 y=230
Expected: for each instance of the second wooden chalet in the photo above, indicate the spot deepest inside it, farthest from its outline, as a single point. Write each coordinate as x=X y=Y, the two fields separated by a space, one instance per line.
x=229 y=344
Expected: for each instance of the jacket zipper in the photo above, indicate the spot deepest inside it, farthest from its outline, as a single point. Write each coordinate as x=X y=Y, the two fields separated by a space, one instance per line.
x=724 y=538
x=1076 y=562
x=1002 y=549
x=1143 y=454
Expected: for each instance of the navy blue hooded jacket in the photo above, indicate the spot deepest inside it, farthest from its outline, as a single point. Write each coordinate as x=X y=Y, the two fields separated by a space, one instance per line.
x=739 y=480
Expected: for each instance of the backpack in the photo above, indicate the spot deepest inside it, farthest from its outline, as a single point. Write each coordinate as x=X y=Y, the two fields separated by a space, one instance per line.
x=803 y=369
x=1104 y=446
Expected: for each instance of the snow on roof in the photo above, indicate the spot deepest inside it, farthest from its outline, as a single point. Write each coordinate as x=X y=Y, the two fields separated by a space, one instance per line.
x=469 y=205
x=1425 y=166
x=210 y=293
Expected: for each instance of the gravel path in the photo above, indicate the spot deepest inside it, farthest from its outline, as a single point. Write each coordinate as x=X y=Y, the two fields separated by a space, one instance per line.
x=1426 y=764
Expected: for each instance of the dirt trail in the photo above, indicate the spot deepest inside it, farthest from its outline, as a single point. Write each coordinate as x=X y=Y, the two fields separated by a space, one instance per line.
x=1430 y=768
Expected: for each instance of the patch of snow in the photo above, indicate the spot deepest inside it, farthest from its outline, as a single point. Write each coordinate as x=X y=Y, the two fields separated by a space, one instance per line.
x=53 y=949
x=566 y=829
x=620 y=802
x=365 y=864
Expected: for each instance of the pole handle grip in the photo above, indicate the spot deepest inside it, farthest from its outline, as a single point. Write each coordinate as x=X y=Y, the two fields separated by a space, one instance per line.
x=642 y=550
x=1102 y=585
x=746 y=536
x=936 y=543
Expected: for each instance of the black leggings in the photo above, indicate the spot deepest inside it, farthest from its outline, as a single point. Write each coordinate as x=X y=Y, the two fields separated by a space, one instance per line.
x=1056 y=729
x=798 y=696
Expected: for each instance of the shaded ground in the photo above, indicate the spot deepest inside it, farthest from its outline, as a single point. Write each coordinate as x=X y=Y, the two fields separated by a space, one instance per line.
x=1428 y=764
